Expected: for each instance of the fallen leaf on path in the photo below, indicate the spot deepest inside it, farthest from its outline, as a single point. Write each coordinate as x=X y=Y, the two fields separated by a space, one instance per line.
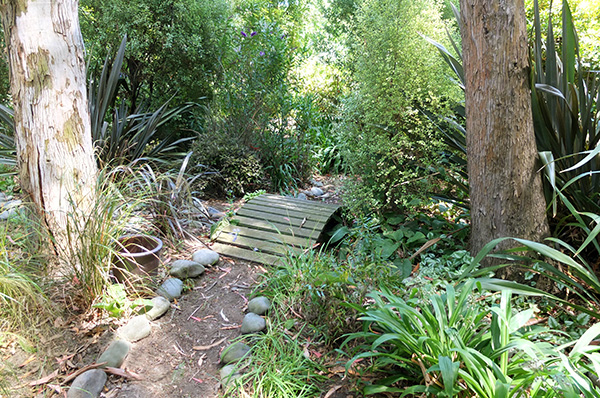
x=332 y=391
x=316 y=353
x=243 y=297
x=231 y=327
x=28 y=360
x=225 y=271
x=44 y=380
x=201 y=319
x=64 y=358
x=80 y=371
x=122 y=373
x=208 y=347
x=224 y=317
x=56 y=388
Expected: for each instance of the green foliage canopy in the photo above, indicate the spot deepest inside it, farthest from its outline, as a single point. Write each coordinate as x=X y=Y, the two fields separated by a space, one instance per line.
x=173 y=47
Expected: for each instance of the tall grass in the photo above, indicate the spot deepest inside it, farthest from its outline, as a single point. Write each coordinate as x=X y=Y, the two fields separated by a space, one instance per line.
x=21 y=296
x=279 y=367
x=92 y=236
x=133 y=199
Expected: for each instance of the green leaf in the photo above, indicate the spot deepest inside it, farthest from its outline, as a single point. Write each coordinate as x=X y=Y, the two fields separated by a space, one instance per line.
x=339 y=234
x=388 y=248
x=449 y=370
x=584 y=341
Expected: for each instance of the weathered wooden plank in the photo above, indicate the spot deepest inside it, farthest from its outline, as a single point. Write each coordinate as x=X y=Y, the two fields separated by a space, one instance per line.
x=245 y=254
x=269 y=227
x=258 y=245
x=300 y=201
x=284 y=219
x=284 y=212
x=306 y=207
x=265 y=235
x=310 y=229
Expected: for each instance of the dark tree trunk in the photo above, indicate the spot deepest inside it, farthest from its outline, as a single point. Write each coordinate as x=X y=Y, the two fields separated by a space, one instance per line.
x=505 y=187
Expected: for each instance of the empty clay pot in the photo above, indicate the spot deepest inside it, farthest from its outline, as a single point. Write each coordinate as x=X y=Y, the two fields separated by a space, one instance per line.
x=137 y=254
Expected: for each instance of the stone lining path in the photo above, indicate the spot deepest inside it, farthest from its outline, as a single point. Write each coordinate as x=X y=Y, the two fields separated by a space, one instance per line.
x=90 y=383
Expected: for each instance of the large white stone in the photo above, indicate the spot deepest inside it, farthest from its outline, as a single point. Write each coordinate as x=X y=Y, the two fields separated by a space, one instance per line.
x=205 y=257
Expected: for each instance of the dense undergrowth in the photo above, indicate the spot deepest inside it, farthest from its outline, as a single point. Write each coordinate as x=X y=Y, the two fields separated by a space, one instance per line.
x=263 y=96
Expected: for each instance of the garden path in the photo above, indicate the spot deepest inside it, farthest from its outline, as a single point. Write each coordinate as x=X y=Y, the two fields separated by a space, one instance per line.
x=181 y=356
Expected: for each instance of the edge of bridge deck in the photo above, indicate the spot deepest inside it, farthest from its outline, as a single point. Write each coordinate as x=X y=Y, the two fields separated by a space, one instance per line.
x=269 y=227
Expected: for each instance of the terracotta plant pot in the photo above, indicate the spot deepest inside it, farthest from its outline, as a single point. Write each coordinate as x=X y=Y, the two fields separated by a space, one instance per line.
x=137 y=254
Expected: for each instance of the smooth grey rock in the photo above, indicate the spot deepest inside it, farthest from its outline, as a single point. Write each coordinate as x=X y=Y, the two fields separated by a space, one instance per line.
x=259 y=305
x=5 y=215
x=205 y=257
x=136 y=329
x=308 y=193
x=171 y=288
x=302 y=196
x=212 y=210
x=253 y=323
x=228 y=374
x=11 y=204
x=115 y=354
x=316 y=191
x=215 y=214
x=88 y=384
x=186 y=269
x=4 y=197
x=316 y=183
x=235 y=352
x=160 y=306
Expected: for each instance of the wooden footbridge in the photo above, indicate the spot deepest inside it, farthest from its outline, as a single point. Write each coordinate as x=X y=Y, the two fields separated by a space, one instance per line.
x=269 y=227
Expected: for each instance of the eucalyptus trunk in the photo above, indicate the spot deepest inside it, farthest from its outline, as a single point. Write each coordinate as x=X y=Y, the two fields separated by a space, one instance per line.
x=505 y=185
x=55 y=155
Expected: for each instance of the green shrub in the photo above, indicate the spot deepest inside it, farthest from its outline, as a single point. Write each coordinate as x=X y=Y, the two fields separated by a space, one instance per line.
x=318 y=287
x=255 y=104
x=391 y=149
x=389 y=166
x=230 y=167
x=174 y=49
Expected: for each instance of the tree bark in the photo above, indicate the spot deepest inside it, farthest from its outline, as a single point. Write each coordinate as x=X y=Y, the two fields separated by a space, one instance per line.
x=505 y=187
x=55 y=155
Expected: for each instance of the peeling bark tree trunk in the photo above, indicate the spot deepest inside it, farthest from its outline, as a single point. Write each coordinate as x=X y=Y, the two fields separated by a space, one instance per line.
x=505 y=188
x=53 y=132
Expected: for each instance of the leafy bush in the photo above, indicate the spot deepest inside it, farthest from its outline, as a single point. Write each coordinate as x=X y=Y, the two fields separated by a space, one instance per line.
x=229 y=166
x=255 y=105
x=445 y=345
x=405 y=243
x=174 y=50
x=317 y=286
x=391 y=149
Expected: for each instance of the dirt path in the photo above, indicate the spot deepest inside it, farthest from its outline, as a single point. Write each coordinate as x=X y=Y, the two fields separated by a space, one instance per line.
x=180 y=358
x=206 y=317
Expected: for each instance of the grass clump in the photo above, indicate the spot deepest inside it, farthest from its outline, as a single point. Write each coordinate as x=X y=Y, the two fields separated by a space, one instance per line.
x=20 y=294
x=317 y=287
x=279 y=366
